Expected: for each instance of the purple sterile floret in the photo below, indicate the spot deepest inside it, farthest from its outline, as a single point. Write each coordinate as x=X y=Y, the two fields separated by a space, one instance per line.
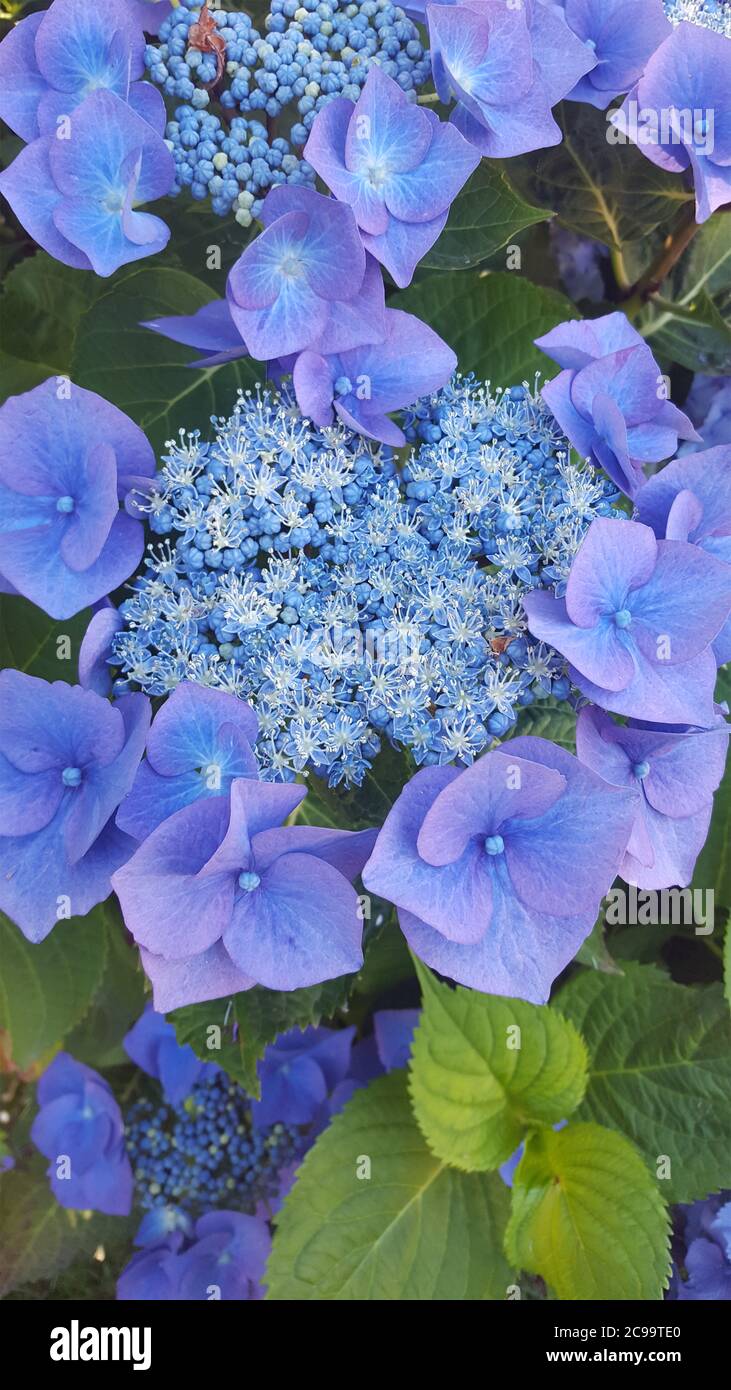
x=152 y=1273
x=152 y=1044
x=497 y=870
x=622 y=36
x=303 y=281
x=363 y=385
x=76 y=196
x=298 y=1072
x=67 y=460
x=79 y=1127
x=67 y=757
x=222 y=896
x=676 y=774
x=211 y=330
x=50 y=62
x=199 y=742
x=611 y=398
x=507 y=66
x=637 y=623
x=690 y=500
x=396 y=165
x=679 y=113
x=394 y=1032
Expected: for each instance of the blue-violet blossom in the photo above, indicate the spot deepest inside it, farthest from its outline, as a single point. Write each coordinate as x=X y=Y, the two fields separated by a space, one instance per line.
x=79 y=1128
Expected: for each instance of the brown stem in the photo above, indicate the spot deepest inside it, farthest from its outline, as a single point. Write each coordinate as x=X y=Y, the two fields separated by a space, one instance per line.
x=672 y=249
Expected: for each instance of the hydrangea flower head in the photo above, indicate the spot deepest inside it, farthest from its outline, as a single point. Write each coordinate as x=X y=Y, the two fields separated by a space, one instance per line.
x=51 y=61
x=637 y=623
x=507 y=66
x=265 y=903
x=396 y=165
x=79 y=1129
x=363 y=385
x=622 y=39
x=77 y=196
x=298 y=1072
x=676 y=774
x=472 y=857
x=301 y=282
x=390 y=626
x=199 y=742
x=67 y=460
x=67 y=757
x=153 y=1046
x=611 y=399
x=679 y=113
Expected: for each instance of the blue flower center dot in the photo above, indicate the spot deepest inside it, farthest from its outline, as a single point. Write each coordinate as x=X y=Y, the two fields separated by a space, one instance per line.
x=494 y=844
x=641 y=770
x=623 y=617
x=343 y=386
x=590 y=43
x=248 y=880
x=71 y=776
x=65 y=504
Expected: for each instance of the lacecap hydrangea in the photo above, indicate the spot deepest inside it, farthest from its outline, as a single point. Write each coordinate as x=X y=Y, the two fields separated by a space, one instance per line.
x=350 y=605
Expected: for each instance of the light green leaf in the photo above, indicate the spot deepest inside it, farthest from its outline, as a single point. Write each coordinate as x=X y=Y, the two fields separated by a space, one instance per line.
x=659 y=1072
x=587 y=1217
x=412 y=1229
x=610 y=192
x=31 y=641
x=486 y=215
x=146 y=374
x=46 y=989
x=490 y=320
x=484 y=1068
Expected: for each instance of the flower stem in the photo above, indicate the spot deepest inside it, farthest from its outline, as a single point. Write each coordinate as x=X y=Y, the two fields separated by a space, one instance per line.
x=673 y=247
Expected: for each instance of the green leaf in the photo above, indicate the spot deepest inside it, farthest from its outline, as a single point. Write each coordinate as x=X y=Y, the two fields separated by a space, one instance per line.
x=490 y=320
x=587 y=1217
x=486 y=215
x=31 y=641
x=727 y=964
x=413 y=1230
x=46 y=989
x=610 y=192
x=547 y=719
x=690 y=325
x=144 y=373
x=484 y=1068
x=40 y=1237
x=117 y=1004
x=42 y=304
x=659 y=1071
x=247 y=1023
x=713 y=866
x=594 y=951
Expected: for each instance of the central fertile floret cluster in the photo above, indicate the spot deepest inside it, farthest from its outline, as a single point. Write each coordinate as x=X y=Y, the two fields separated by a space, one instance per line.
x=348 y=604
x=206 y=1154
x=711 y=14
x=313 y=50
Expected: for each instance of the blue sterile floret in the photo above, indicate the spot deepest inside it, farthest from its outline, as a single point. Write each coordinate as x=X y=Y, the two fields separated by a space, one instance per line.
x=349 y=605
x=311 y=52
x=711 y=14
x=206 y=1153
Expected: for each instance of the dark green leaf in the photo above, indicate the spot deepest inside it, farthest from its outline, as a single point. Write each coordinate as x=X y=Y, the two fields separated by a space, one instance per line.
x=31 y=641
x=46 y=989
x=486 y=215
x=607 y=191
x=144 y=373
x=490 y=319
